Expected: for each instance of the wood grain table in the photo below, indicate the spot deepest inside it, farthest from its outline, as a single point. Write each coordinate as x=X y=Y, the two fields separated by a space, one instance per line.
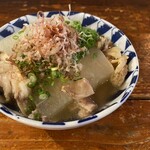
x=128 y=128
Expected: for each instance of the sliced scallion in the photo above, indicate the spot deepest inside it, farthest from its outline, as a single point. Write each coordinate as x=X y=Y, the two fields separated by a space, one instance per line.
x=63 y=79
x=33 y=80
x=43 y=96
x=15 y=37
x=54 y=68
x=55 y=74
x=37 y=116
x=52 y=83
x=31 y=84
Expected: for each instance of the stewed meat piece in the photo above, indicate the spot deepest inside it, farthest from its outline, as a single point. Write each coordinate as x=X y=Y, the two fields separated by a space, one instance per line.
x=86 y=107
x=13 y=83
x=120 y=72
x=119 y=61
x=78 y=89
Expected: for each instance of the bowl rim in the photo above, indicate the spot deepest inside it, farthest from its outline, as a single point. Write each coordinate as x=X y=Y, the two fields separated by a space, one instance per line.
x=75 y=123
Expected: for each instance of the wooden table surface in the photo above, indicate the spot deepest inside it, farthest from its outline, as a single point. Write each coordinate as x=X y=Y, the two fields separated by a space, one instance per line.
x=128 y=128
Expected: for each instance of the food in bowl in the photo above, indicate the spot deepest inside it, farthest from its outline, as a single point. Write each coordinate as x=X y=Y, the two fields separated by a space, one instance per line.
x=57 y=70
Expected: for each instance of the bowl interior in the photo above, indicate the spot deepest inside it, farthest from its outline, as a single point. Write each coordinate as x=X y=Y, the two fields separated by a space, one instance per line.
x=103 y=28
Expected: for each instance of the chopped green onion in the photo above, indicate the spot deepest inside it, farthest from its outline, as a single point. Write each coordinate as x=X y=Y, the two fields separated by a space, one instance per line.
x=30 y=107
x=55 y=74
x=52 y=83
x=30 y=97
x=22 y=64
x=31 y=74
x=23 y=56
x=15 y=37
x=87 y=36
x=63 y=79
x=21 y=31
x=95 y=55
x=37 y=116
x=43 y=96
x=76 y=24
x=31 y=84
x=67 y=21
x=79 y=55
x=54 y=68
x=41 y=91
x=33 y=80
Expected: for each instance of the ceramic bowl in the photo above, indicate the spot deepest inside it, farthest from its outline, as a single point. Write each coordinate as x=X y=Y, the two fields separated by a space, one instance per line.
x=103 y=27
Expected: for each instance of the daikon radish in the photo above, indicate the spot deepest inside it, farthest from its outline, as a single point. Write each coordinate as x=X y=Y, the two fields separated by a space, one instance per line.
x=96 y=68
x=55 y=104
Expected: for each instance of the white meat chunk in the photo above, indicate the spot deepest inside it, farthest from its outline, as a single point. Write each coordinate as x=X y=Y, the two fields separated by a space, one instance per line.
x=12 y=82
x=78 y=89
x=119 y=62
x=117 y=79
x=120 y=72
x=86 y=107
x=113 y=53
x=103 y=43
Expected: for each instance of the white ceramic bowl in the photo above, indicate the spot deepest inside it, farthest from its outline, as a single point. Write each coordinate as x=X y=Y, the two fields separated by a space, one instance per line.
x=104 y=28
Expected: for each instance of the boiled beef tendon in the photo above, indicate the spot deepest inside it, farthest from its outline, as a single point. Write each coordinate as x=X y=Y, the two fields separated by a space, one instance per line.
x=86 y=107
x=80 y=91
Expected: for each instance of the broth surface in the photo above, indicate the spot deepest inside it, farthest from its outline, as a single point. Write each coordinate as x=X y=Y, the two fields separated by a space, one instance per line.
x=104 y=93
